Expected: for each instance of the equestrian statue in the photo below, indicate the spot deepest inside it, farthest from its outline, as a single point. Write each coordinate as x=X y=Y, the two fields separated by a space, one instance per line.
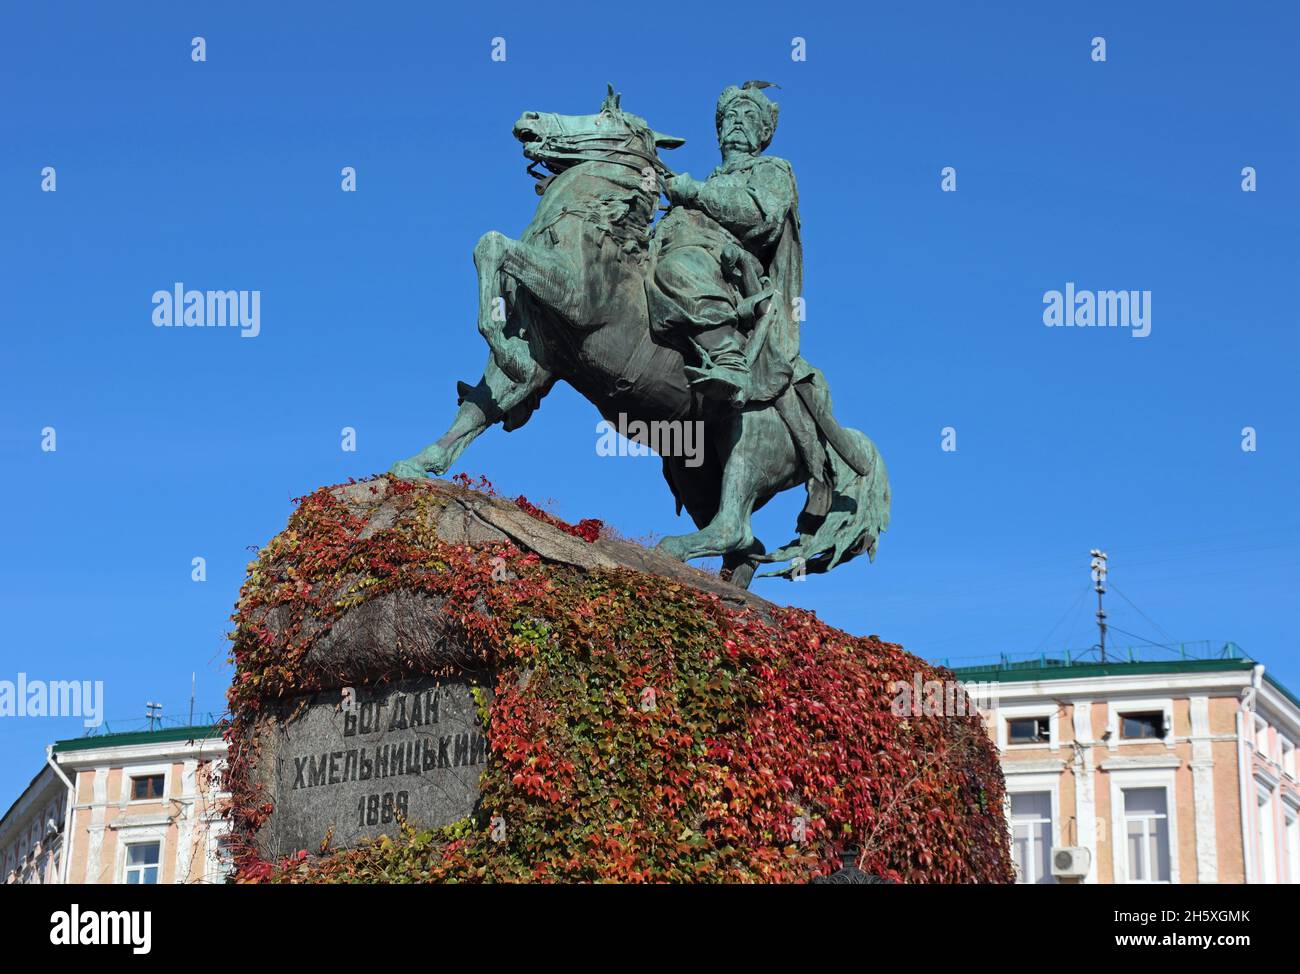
x=693 y=318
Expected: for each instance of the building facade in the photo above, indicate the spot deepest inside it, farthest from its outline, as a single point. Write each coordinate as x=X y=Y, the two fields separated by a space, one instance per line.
x=1131 y=770
x=32 y=832
x=1147 y=770
x=122 y=808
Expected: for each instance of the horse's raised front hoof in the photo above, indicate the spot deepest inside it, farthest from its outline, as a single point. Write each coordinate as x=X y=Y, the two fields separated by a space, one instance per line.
x=407 y=470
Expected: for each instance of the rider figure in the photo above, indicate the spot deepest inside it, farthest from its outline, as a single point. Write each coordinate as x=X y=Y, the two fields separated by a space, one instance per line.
x=745 y=213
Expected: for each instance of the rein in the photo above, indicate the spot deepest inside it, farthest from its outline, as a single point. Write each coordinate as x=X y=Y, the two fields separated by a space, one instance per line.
x=566 y=146
x=575 y=149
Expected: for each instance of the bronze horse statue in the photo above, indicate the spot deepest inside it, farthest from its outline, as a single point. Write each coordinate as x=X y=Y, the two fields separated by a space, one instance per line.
x=568 y=301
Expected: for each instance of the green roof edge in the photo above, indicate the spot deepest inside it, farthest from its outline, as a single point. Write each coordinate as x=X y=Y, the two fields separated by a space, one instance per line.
x=197 y=732
x=1025 y=674
x=1277 y=685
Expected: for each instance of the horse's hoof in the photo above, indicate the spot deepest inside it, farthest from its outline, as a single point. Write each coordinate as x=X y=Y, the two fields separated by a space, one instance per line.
x=741 y=575
x=673 y=546
x=407 y=470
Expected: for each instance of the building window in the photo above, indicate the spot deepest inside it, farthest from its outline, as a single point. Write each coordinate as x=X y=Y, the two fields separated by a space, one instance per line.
x=1029 y=730
x=225 y=858
x=1146 y=828
x=1261 y=736
x=142 y=863
x=1288 y=758
x=1031 y=836
x=1267 y=840
x=1142 y=727
x=146 y=787
x=1293 y=846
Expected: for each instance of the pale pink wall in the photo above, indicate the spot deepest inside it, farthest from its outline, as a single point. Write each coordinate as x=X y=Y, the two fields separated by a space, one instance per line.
x=1232 y=848
x=190 y=863
x=1225 y=787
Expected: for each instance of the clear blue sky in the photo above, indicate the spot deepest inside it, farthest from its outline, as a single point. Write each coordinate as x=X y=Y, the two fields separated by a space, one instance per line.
x=924 y=307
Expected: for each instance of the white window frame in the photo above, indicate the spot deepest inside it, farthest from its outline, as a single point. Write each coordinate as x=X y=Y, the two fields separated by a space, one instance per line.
x=217 y=830
x=1261 y=736
x=141 y=835
x=1288 y=757
x=1127 y=779
x=146 y=771
x=1049 y=782
x=1116 y=709
x=1291 y=840
x=1050 y=711
x=1266 y=834
x=1044 y=868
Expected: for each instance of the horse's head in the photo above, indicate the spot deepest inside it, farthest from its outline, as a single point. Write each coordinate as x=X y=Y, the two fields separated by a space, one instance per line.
x=611 y=135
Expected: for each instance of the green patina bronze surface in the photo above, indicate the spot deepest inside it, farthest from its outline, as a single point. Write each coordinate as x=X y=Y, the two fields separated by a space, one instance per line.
x=690 y=319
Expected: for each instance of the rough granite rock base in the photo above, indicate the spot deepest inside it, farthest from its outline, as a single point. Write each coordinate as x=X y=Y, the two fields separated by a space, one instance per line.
x=434 y=683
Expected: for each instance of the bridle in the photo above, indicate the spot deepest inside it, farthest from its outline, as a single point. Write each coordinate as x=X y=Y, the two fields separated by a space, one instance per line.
x=567 y=148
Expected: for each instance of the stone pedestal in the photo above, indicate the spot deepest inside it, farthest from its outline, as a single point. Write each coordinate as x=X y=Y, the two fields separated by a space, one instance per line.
x=378 y=742
x=542 y=702
x=344 y=766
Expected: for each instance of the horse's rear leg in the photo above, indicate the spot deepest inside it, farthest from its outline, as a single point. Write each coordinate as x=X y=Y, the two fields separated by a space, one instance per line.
x=751 y=469
x=729 y=531
x=738 y=567
x=699 y=490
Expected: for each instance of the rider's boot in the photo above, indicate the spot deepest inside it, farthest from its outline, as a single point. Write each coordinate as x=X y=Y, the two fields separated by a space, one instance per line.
x=723 y=372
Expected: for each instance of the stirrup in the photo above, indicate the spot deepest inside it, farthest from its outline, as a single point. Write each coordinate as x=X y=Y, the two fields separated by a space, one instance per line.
x=721 y=383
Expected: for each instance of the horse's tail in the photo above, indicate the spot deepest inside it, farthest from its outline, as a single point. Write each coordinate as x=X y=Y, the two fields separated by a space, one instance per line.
x=858 y=514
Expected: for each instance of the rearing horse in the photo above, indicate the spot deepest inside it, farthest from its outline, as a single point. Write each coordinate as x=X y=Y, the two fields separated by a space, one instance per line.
x=567 y=301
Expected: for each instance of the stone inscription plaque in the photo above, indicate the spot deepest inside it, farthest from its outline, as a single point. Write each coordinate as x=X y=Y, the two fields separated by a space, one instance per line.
x=354 y=768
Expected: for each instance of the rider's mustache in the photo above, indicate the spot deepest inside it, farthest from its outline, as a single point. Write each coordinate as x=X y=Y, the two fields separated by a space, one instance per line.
x=736 y=132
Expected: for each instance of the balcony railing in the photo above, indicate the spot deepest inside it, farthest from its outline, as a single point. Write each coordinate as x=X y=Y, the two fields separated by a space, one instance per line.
x=138 y=725
x=1202 y=650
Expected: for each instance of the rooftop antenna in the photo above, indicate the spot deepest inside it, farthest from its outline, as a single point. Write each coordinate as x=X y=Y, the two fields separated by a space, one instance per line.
x=1099 y=577
x=192 y=699
x=153 y=712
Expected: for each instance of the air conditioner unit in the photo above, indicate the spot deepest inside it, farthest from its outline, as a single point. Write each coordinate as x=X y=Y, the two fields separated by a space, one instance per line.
x=1071 y=862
